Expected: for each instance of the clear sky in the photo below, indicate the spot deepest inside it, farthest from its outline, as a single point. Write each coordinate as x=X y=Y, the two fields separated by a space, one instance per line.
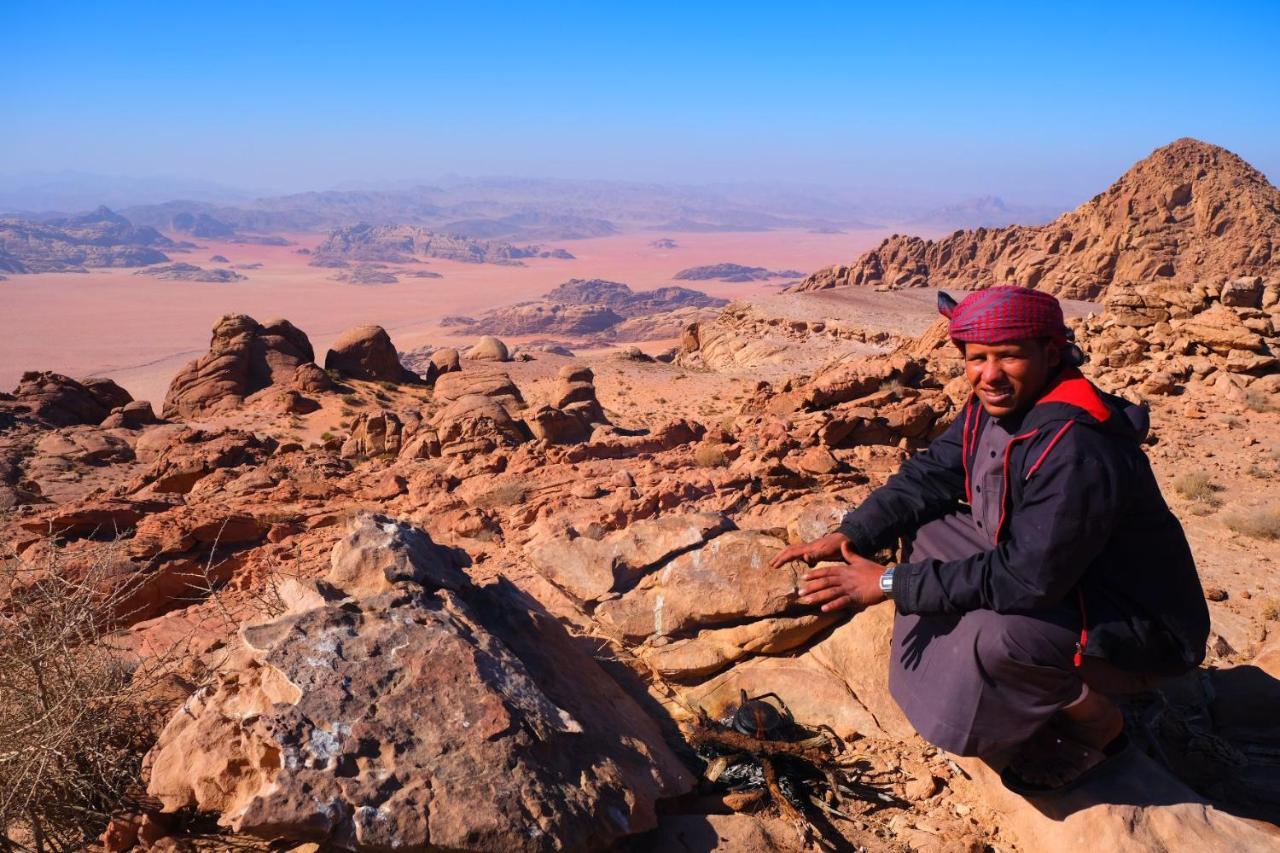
x=1035 y=101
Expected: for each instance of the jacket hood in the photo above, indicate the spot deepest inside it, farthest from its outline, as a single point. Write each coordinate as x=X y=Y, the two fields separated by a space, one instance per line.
x=1069 y=396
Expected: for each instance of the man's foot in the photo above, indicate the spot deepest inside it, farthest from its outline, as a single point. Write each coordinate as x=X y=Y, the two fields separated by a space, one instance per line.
x=1093 y=719
x=1055 y=761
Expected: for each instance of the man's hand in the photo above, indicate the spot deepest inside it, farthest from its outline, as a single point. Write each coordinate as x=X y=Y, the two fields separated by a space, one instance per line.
x=855 y=584
x=833 y=546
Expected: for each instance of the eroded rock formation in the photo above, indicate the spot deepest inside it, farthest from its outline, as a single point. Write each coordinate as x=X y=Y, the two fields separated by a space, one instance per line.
x=244 y=357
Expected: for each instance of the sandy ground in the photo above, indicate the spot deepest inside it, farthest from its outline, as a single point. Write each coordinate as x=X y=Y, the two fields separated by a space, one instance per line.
x=140 y=331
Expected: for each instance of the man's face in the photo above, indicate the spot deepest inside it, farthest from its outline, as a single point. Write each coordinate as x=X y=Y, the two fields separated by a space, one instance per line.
x=1009 y=377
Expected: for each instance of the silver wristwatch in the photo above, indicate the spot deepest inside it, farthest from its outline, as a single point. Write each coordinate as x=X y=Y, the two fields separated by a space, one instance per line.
x=886 y=582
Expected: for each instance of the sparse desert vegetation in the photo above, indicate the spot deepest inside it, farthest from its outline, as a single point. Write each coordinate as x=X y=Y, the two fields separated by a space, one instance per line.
x=1262 y=523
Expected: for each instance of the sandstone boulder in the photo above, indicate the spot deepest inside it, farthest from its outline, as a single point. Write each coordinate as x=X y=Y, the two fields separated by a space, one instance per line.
x=1219 y=329
x=106 y=392
x=1131 y=306
x=728 y=580
x=475 y=424
x=446 y=360
x=589 y=569
x=452 y=386
x=416 y=718
x=717 y=648
x=556 y=426
x=366 y=352
x=574 y=409
x=575 y=394
x=1243 y=292
x=377 y=553
x=489 y=348
x=132 y=415
x=374 y=434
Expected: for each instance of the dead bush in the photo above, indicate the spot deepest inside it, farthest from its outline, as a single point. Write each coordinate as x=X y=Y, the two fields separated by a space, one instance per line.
x=1257 y=400
x=710 y=456
x=75 y=712
x=1197 y=486
x=1258 y=523
x=508 y=494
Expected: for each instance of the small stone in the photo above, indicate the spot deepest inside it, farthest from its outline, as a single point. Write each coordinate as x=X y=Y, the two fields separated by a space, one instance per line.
x=921 y=788
x=1215 y=593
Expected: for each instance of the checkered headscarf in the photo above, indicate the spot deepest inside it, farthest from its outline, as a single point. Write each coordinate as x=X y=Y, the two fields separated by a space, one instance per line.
x=1001 y=314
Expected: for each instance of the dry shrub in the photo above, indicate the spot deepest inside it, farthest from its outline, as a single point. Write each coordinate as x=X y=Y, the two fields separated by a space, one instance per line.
x=1258 y=523
x=508 y=494
x=1257 y=400
x=1197 y=486
x=75 y=712
x=710 y=456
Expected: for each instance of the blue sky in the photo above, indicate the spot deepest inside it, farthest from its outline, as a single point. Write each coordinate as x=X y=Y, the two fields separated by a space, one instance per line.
x=1037 y=102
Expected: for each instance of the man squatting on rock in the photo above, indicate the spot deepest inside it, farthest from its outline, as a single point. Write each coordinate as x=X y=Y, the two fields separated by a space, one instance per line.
x=1044 y=572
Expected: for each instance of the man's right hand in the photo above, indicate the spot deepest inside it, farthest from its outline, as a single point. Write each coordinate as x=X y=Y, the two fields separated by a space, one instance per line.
x=833 y=546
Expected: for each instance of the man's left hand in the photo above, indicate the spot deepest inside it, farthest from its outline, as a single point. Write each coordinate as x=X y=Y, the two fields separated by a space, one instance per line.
x=855 y=584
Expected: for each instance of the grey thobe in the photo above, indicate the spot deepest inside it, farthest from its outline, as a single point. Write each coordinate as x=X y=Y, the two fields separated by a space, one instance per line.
x=981 y=682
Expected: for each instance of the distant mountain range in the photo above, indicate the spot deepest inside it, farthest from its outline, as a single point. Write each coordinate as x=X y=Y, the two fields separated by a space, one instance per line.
x=510 y=209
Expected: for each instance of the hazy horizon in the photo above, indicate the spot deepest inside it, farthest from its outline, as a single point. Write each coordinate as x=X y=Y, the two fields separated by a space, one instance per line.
x=1038 y=107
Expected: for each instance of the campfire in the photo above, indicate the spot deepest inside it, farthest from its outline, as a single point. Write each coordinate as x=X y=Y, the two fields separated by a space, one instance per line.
x=758 y=755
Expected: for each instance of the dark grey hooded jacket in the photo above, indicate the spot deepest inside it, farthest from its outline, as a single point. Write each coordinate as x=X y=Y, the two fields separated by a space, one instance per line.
x=1084 y=526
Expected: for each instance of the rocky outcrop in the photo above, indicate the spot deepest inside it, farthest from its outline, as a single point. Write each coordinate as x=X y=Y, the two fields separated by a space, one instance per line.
x=542 y=318
x=365 y=274
x=244 y=357
x=622 y=299
x=574 y=409
x=179 y=457
x=1164 y=340
x=57 y=400
x=191 y=272
x=97 y=239
x=1189 y=213
x=593 y=308
x=404 y=243
x=733 y=272
x=366 y=352
x=399 y=707
x=749 y=338
x=606 y=443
